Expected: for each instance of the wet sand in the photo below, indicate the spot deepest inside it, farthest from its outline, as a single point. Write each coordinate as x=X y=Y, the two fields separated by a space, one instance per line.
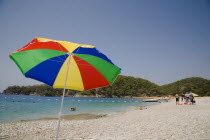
x=83 y=116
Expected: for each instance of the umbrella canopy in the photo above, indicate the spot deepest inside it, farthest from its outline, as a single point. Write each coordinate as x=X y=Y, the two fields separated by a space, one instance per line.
x=47 y=60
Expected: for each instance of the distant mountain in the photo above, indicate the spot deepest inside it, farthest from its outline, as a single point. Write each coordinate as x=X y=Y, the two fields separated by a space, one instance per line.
x=124 y=86
x=196 y=85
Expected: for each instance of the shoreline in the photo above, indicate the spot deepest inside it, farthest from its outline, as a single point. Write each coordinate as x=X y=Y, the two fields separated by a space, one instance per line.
x=162 y=121
x=84 y=116
x=118 y=106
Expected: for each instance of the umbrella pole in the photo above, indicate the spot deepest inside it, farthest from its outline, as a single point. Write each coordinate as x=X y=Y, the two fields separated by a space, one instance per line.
x=64 y=90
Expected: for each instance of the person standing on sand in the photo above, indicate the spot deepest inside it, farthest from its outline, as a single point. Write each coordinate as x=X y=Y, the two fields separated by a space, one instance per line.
x=191 y=98
x=183 y=96
x=177 y=99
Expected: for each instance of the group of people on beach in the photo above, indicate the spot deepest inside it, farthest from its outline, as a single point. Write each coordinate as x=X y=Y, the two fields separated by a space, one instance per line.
x=187 y=98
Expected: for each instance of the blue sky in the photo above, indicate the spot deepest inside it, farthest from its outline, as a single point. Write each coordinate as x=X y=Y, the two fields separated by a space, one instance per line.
x=159 y=40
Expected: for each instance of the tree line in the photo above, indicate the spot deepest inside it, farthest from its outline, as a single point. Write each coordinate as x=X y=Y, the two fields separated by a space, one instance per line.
x=124 y=86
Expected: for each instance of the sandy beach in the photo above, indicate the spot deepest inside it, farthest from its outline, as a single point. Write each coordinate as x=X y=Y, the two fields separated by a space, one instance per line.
x=165 y=121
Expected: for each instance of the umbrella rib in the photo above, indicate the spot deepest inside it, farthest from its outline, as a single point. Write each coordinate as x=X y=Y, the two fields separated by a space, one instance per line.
x=87 y=58
x=61 y=48
x=77 y=50
x=55 y=61
x=51 y=59
x=60 y=58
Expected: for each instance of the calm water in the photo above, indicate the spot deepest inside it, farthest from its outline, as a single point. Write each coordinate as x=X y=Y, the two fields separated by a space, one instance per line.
x=26 y=107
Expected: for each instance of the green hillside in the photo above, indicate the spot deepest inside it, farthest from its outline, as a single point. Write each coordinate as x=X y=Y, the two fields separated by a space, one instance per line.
x=196 y=85
x=124 y=86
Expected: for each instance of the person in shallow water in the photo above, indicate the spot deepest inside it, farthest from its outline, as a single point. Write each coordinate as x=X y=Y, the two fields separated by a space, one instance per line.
x=73 y=109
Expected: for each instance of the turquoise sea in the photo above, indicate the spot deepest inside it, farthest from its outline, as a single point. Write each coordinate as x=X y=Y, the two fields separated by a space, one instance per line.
x=26 y=107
